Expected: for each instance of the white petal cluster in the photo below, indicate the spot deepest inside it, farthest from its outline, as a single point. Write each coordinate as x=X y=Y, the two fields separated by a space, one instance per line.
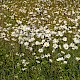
x=42 y=30
x=65 y=46
x=60 y=59
x=40 y=50
x=46 y=44
x=67 y=56
x=64 y=39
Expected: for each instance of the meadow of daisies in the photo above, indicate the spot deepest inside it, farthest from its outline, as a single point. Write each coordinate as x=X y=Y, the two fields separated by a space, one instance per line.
x=39 y=40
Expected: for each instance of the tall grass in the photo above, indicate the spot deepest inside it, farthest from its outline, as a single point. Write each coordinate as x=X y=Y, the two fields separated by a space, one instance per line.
x=35 y=38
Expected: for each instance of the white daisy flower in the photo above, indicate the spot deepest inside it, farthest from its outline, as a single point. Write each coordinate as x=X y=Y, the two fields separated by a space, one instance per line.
x=39 y=35
x=60 y=59
x=30 y=12
x=42 y=56
x=72 y=44
x=65 y=62
x=55 y=40
x=64 y=39
x=46 y=44
x=26 y=43
x=46 y=56
x=23 y=69
x=32 y=39
x=19 y=22
x=30 y=48
x=76 y=40
x=60 y=33
x=33 y=53
x=40 y=50
x=37 y=43
x=55 y=46
x=23 y=61
x=75 y=47
x=78 y=58
x=42 y=41
x=65 y=46
x=67 y=56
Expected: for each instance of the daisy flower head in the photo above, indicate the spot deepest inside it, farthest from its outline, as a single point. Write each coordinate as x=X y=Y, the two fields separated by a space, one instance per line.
x=60 y=59
x=46 y=44
x=64 y=39
x=76 y=40
x=19 y=22
x=67 y=56
x=40 y=50
x=66 y=46
x=55 y=46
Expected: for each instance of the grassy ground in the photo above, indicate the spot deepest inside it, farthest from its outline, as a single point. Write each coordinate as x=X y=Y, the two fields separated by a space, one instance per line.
x=13 y=54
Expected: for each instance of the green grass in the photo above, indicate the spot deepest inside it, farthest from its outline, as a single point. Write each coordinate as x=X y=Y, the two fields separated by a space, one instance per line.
x=11 y=63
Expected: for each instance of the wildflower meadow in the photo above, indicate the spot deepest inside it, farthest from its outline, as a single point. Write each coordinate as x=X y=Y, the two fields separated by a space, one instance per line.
x=39 y=39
